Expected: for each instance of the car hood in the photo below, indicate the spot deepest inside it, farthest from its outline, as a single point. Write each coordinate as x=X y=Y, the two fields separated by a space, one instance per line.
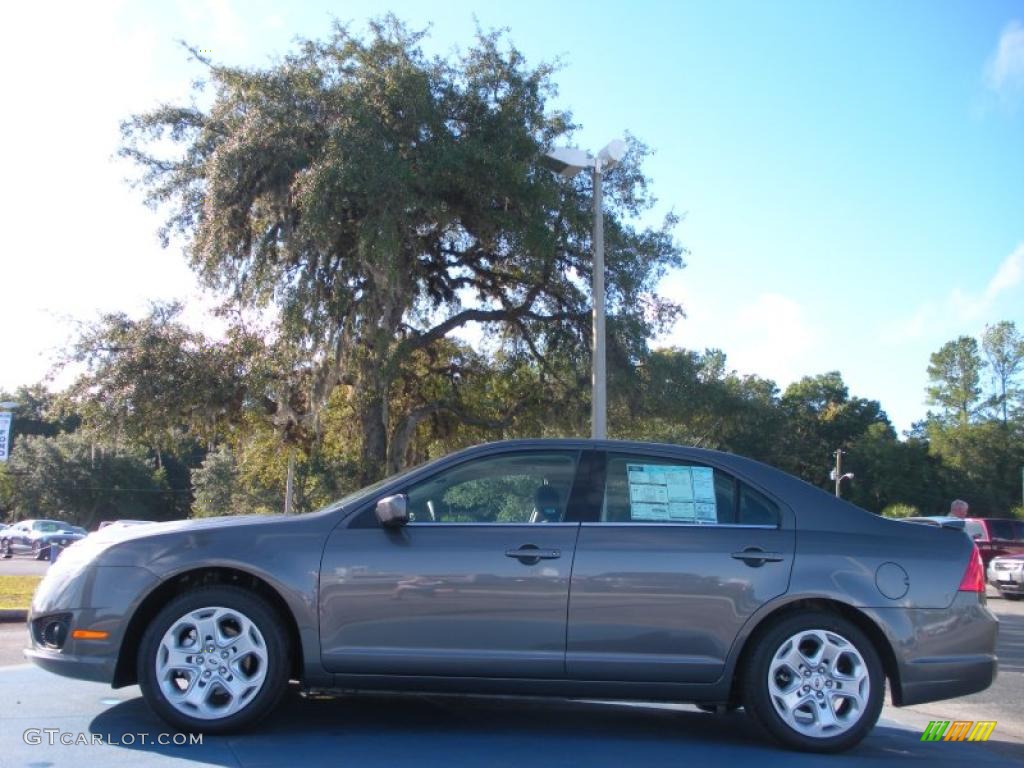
x=116 y=533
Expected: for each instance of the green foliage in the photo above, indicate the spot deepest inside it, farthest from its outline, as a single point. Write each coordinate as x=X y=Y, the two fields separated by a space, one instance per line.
x=215 y=484
x=955 y=375
x=68 y=477
x=358 y=193
x=1004 y=349
x=1017 y=512
x=156 y=382
x=901 y=510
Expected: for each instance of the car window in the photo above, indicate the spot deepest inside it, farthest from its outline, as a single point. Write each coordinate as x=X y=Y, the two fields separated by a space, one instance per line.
x=530 y=487
x=1000 y=529
x=756 y=509
x=975 y=530
x=647 y=489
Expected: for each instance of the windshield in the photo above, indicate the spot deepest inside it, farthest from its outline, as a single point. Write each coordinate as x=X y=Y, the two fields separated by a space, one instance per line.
x=369 y=490
x=48 y=526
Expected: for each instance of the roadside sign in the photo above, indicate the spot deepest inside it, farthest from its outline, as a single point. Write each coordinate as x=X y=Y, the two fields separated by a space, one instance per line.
x=5 y=432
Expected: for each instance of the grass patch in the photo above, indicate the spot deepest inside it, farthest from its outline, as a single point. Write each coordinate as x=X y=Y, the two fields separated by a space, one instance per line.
x=16 y=591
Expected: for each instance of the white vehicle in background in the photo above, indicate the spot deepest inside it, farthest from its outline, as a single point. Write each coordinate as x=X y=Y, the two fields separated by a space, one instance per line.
x=1006 y=573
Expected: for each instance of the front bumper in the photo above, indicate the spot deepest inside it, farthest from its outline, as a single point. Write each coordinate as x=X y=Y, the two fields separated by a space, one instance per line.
x=1007 y=581
x=95 y=597
x=97 y=669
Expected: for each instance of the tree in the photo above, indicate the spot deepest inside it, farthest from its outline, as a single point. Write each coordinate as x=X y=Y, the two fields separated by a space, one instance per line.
x=901 y=510
x=66 y=477
x=372 y=200
x=1004 y=349
x=156 y=382
x=820 y=416
x=955 y=372
x=215 y=484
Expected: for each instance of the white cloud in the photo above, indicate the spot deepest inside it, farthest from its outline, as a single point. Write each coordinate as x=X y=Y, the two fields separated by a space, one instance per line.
x=961 y=307
x=770 y=336
x=1004 y=73
x=1009 y=275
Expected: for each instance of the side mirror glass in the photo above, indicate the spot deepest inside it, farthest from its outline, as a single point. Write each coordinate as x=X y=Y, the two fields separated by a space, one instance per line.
x=393 y=511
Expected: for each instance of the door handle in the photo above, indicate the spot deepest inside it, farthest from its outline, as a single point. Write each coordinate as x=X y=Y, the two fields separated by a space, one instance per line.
x=756 y=557
x=529 y=554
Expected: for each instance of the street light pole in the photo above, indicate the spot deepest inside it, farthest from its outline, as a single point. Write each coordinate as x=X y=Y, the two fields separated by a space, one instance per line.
x=837 y=473
x=567 y=162
x=599 y=382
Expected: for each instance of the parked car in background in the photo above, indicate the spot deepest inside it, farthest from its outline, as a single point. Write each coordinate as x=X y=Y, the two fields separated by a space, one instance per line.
x=995 y=536
x=36 y=536
x=1006 y=573
x=569 y=568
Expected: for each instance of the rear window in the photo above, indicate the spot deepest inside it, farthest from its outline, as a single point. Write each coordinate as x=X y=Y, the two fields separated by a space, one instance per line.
x=975 y=530
x=1001 y=529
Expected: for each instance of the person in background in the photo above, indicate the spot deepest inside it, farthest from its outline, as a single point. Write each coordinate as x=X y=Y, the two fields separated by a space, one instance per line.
x=958 y=508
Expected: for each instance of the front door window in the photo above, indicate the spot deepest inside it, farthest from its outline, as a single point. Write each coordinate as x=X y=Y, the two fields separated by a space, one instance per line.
x=516 y=488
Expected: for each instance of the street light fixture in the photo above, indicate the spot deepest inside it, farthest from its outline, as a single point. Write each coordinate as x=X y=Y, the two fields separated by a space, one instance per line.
x=567 y=162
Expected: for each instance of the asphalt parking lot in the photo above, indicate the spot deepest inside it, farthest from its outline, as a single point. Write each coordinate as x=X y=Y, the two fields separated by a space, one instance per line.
x=374 y=731
x=22 y=565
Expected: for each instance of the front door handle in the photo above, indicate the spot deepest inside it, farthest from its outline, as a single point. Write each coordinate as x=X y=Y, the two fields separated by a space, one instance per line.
x=531 y=554
x=756 y=557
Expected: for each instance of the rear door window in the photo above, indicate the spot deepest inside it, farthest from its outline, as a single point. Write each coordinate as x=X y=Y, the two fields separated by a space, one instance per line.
x=650 y=489
x=756 y=509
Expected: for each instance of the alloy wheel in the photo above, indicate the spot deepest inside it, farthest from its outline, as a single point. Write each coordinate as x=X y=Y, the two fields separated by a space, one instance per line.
x=211 y=662
x=818 y=683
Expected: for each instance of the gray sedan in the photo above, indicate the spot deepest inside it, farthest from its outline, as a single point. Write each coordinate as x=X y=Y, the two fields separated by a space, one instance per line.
x=567 y=568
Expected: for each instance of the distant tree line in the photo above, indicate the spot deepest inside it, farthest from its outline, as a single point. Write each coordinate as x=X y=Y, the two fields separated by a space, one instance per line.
x=172 y=424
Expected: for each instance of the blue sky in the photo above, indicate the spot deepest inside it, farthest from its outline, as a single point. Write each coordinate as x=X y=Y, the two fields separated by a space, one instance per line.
x=852 y=175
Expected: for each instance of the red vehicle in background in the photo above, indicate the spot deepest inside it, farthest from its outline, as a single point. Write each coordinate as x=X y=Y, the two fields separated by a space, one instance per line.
x=995 y=536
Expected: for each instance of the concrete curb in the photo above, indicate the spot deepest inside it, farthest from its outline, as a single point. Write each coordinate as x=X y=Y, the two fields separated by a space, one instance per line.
x=13 y=615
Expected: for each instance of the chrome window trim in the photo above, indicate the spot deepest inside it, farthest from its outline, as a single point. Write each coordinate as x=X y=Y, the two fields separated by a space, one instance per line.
x=637 y=524
x=435 y=523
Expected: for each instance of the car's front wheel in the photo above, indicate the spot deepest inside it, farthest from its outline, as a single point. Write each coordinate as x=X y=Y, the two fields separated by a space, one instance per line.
x=815 y=682
x=37 y=550
x=215 y=659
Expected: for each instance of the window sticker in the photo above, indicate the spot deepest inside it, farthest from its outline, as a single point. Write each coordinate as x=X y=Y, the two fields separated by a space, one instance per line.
x=664 y=493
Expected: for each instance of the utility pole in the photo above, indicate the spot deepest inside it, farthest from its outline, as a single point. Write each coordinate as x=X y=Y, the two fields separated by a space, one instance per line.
x=599 y=384
x=837 y=473
x=289 y=482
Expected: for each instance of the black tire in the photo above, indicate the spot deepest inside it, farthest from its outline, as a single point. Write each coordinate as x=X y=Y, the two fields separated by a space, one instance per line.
x=757 y=699
x=261 y=614
x=37 y=550
x=1011 y=595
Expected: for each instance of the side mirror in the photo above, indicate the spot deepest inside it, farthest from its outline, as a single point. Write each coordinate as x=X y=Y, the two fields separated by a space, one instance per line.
x=393 y=511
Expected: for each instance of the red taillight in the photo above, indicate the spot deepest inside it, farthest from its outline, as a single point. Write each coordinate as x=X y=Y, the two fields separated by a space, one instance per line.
x=974 y=576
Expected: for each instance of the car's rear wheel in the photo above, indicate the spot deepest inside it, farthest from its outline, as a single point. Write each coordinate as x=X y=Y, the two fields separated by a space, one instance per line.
x=815 y=682
x=215 y=659
x=37 y=550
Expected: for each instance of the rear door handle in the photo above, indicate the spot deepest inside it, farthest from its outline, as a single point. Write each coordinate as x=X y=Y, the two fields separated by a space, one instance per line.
x=755 y=557
x=528 y=554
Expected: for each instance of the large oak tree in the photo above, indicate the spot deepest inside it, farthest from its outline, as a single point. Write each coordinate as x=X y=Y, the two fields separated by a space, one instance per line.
x=371 y=200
